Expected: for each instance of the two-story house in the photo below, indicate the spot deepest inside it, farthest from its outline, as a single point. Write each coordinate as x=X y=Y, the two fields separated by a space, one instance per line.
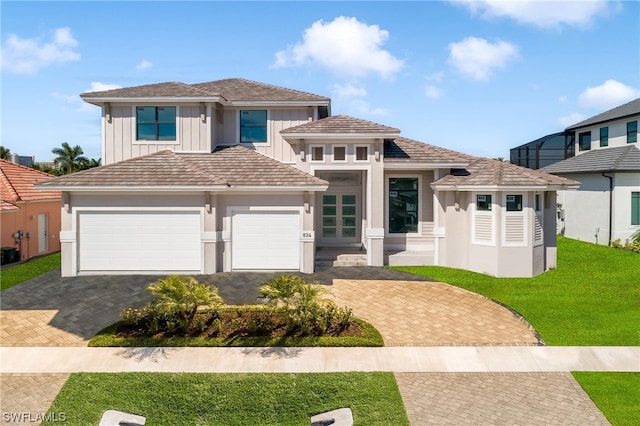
x=607 y=163
x=236 y=175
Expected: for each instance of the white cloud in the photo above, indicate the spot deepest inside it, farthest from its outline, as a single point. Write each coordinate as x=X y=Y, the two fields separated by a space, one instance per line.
x=433 y=92
x=144 y=65
x=348 y=91
x=362 y=107
x=96 y=86
x=541 y=13
x=478 y=58
x=573 y=118
x=608 y=95
x=27 y=55
x=563 y=99
x=435 y=77
x=344 y=46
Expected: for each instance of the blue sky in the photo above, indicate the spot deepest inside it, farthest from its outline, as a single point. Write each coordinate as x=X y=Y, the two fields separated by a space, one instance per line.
x=474 y=76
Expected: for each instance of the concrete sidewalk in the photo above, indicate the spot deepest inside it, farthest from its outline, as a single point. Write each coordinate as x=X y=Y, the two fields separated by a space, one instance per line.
x=479 y=359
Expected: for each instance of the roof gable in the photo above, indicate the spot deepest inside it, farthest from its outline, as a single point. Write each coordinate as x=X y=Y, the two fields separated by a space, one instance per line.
x=616 y=159
x=341 y=124
x=403 y=150
x=17 y=183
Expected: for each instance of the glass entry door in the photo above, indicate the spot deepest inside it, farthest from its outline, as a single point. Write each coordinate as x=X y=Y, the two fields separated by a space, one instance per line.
x=339 y=219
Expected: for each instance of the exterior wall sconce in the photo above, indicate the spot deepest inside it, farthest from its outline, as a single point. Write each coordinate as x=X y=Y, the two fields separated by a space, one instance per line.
x=107 y=112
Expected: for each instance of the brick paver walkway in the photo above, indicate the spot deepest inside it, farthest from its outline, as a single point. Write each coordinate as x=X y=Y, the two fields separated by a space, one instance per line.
x=496 y=399
x=414 y=313
x=26 y=398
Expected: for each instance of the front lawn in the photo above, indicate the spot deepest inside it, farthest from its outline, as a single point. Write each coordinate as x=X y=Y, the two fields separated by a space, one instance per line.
x=31 y=269
x=617 y=395
x=230 y=399
x=591 y=299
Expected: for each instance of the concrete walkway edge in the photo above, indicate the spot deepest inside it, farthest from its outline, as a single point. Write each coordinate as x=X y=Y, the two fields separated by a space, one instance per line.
x=490 y=359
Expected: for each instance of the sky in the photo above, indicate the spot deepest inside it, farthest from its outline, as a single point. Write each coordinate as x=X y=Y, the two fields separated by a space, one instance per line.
x=479 y=77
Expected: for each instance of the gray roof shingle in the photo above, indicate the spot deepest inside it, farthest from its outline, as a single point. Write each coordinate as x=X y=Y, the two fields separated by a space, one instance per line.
x=616 y=159
x=628 y=109
x=489 y=172
x=234 y=166
x=341 y=124
x=232 y=89
x=403 y=150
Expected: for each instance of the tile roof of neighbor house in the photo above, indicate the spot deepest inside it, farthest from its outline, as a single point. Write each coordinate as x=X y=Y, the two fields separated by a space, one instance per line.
x=403 y=150
x=17 y=183
x=617 y=159
x=232 y=89
x=488 y=172
x=340 y=124
x=628 y=109
x=232 y=166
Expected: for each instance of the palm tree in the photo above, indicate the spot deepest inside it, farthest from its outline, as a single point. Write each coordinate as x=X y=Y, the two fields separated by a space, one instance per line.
x=92 y=162
x=69 y=158
x=4 y=153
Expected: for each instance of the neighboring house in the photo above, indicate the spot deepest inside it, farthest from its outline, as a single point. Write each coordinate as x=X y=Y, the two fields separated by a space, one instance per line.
x=238 y=175
x=29 y=217
x=607 y=163
x=544 y=151
x=23 y=160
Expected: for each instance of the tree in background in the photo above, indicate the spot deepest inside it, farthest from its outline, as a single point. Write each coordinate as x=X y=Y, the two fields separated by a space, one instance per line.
x=4 y=153
x=90 y=163
x=70 y=159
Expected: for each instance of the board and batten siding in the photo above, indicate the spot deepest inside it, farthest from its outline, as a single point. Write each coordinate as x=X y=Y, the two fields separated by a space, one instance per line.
x=119 y=134
x=227 y=132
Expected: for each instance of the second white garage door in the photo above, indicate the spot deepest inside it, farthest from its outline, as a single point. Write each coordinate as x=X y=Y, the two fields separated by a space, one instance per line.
x=265 y=240
x=139 y=241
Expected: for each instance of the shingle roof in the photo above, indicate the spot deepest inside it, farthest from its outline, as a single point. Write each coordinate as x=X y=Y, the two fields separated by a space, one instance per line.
x=488 y=172
x=232 y=89
x=630 y=108
x=341 y=124
x=17 y=183
x=239 y=89
x=403 y=150
x=616 y=159
x=233 y=166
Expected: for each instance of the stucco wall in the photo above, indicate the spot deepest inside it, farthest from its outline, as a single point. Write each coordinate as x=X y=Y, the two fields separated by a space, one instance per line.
x=26 y=219
x=617 y=133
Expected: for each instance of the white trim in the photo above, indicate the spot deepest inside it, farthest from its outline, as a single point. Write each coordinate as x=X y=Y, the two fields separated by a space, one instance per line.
x=310 y=153
x=223 y=189
x=333 y=153
x=418 y=233
x=355 y=153
x=173 y=99
x=483 y=213
x=209 y=124
x=522 y=213
x=134 y=127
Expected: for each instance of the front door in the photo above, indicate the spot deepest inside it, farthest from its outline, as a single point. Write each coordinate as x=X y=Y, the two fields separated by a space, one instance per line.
x=339 y=219
x=43 y=232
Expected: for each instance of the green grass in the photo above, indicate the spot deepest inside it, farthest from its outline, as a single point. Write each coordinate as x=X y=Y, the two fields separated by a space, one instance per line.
x=107 y=337
x=230 y=399
x=617 y=395
x=591 y=299
x=25 y=271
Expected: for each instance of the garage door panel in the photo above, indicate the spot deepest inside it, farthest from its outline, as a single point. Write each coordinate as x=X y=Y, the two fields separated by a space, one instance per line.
x=139 y=241
x=266 y=240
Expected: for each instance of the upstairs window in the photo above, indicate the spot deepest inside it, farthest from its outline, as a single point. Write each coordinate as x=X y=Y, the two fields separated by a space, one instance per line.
x=253 y=126
x=362 y=153
x=339 y=153
x=632 y=131
x=317 y=153
x=403 y=205
x=585 y=141
x=604 y=136
x=155 y=123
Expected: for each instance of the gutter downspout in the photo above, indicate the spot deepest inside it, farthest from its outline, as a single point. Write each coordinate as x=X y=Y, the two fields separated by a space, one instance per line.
x=610 y=206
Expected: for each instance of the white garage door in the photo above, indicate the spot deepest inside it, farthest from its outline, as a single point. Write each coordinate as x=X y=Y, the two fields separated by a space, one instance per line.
x=265 y=240
x=139 y=241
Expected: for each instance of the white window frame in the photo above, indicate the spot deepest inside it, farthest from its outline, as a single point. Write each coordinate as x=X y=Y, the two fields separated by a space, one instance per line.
x=134 y=126
x=484 y=213
x=522 y=213
x=324 y=153
x=237 y=128
x=418 y=233
x=355 y=153
x=333 y=153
